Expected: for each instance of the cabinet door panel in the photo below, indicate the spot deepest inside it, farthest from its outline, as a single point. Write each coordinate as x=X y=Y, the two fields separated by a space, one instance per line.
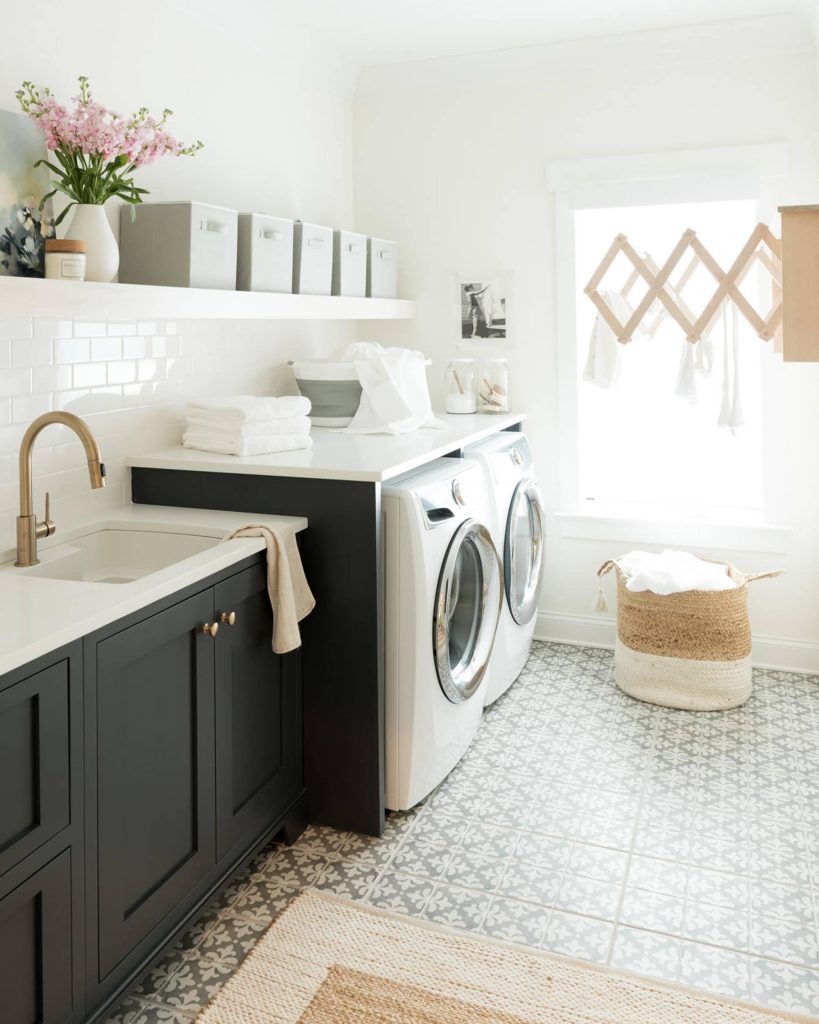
x=258 y=715
x=35 y=947
x=34 y=762
x=154 y=772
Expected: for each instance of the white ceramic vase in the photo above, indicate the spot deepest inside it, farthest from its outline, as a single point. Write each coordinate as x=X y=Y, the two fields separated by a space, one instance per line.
x=90 y=225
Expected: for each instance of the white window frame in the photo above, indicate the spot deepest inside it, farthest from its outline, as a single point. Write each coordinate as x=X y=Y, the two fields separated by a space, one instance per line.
x=758 y=172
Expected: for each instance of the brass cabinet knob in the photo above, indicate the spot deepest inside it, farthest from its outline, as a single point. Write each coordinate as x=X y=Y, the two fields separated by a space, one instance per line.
x=210 y=628
x=229 y=618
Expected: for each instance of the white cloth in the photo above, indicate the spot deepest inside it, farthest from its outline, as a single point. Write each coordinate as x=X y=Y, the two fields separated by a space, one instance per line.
x=287 y=425
x=730 y=414
x=258 y=444
x=394 y=391
x=672 y=572
x=603 y=361
x=238 y=409
x=290 y=595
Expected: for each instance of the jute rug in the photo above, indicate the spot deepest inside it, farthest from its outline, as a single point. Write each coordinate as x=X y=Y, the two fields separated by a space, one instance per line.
x=327 y=960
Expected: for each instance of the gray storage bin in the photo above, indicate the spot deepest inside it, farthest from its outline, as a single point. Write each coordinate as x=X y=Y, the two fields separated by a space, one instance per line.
x=349 y=264
x=312 y=259
x=265 y=258
x=185 y=245
x=382 y=269
x=333 y=389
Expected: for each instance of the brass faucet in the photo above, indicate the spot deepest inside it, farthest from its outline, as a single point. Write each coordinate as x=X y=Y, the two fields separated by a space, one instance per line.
x=28 y=529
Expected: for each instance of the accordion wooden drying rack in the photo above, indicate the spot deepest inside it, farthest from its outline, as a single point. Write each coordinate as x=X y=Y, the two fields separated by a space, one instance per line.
x=762 y=248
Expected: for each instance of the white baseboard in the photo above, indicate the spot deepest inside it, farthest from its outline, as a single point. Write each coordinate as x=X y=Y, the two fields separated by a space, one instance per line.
x=600 y=631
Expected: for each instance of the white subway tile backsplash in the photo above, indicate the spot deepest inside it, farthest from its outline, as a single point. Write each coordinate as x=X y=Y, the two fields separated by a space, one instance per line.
x=89 y=375
x=130 y=382
x=25 y=408
x=15 y=382
x=120 y=329
x=134 y=348
x=31 y=352
x=122 y=372
x=90 y=328
x=104 y=349
x=16 y=327
x=47 y=328
x=67 y=399
x=51 y=378
x=72 y=350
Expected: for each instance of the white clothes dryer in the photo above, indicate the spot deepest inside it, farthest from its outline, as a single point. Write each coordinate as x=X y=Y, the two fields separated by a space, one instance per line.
x=443 y=599
x=518 y=529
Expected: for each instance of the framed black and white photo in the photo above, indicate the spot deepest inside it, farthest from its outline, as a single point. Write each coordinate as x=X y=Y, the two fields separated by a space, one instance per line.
x=484 y=305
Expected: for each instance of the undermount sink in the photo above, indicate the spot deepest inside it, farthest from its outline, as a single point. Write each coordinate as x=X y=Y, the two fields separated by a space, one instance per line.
x=117 y=556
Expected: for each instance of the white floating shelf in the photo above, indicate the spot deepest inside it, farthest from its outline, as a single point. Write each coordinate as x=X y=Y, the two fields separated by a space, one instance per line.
x=20 y=296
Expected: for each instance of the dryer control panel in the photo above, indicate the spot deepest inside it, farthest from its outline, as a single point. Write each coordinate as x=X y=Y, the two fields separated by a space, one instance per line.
x=452 y=496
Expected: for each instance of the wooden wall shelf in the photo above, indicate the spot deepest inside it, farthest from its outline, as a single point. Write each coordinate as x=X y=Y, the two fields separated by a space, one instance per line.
x=89 y=300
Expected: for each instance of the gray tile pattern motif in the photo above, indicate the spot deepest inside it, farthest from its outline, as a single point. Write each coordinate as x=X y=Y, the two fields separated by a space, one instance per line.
x=681 y=846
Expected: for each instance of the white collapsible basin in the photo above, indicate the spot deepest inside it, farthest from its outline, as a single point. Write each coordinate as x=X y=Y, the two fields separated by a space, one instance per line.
x=184 y=245
x=265 y=253
x=333 y=389
x=349 y=264
x=312 y=259
x=382 y=269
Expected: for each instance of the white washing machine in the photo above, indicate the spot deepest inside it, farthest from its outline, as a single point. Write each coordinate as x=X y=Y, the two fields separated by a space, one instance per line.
x=443 y=599
x=518 y=529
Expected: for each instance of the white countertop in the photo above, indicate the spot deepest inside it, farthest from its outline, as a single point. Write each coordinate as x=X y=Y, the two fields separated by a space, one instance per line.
x=337 y=455
x=40 y=615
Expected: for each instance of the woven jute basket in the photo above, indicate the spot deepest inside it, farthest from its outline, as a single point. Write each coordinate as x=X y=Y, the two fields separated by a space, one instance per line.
x=690 y=650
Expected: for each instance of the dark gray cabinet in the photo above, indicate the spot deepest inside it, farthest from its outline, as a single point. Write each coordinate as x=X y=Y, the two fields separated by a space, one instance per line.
x=258 y=713
x=34 y=761
x=154 y=769
x=36 y=983
x=139 y=768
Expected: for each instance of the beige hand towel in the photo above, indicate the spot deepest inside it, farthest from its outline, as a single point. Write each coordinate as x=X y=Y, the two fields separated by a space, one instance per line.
x=290 y=594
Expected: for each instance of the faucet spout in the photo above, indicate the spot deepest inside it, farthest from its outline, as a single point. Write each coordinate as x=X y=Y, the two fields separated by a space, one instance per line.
x=28 y=529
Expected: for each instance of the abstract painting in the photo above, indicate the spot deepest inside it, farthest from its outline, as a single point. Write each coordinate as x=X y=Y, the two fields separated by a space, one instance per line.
x=23 y=226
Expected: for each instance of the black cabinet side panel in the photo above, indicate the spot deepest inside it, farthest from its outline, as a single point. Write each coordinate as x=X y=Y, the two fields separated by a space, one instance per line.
x=343 y=656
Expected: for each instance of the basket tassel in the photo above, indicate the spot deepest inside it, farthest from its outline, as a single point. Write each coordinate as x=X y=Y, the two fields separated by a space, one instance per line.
x=600 y=602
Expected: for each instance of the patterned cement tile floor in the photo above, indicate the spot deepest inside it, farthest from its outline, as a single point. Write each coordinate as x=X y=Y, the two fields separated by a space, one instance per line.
x=682 y=846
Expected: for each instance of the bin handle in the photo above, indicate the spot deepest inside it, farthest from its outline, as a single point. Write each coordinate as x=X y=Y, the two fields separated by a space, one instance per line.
x=751 y=576
x=271 y=235
x=606 y=567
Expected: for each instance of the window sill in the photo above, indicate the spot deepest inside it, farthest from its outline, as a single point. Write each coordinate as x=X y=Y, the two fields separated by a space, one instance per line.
x=692 y=533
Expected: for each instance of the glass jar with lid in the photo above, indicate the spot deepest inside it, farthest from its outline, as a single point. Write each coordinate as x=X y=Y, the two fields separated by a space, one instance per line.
x=493 y=386
x=459 y=384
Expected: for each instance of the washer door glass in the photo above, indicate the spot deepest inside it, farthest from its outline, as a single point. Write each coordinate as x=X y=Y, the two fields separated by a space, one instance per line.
x=467 y=609
x=523 y=551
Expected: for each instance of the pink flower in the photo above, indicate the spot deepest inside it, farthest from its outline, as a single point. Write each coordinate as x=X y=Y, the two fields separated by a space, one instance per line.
x=90 y=137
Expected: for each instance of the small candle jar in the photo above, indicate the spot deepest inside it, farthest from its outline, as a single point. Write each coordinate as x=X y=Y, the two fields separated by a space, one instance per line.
x=460 y=386
x=64 y=259
x=493 y=386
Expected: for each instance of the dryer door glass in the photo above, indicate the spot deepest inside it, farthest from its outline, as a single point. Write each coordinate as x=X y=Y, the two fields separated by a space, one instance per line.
x=467 y=609
x=523 y=551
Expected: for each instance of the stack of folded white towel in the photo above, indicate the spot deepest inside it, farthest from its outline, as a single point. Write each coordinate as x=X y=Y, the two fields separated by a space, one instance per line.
x=247 y=425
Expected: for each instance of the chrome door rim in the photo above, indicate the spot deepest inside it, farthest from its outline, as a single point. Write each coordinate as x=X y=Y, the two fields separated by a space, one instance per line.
x=523 y=610
x=460 y=686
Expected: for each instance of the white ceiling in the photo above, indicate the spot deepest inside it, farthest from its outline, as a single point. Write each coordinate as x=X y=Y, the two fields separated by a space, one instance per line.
x=368 y=32
x=363 y=33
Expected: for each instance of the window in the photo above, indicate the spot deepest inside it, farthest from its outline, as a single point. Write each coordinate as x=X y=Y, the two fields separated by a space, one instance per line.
x=651 y=444
x=641 y=461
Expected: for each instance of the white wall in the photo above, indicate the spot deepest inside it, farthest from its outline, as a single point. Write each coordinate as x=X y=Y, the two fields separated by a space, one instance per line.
x=275 y=114
x=450 y=158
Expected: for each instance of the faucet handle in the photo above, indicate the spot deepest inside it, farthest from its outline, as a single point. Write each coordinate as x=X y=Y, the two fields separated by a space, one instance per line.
x=46 y=528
